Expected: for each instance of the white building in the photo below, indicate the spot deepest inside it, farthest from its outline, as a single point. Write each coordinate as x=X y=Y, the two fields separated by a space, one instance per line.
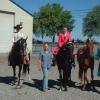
x=10 y=15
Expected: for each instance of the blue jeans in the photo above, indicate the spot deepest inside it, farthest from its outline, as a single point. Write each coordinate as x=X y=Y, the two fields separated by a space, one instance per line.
x=45 y=78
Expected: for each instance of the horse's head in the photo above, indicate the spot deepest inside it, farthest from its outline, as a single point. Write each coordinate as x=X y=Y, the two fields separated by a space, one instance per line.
x=67 y=49
x=89 y=45
x=22 y=45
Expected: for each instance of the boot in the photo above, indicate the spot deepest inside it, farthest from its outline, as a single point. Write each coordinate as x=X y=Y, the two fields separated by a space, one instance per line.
x=53 y=62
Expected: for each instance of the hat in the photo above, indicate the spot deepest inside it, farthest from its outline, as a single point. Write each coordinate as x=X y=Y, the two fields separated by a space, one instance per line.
x=18 y=27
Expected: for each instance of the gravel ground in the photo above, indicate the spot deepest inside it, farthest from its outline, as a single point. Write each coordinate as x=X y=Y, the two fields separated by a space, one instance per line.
x=31 y=90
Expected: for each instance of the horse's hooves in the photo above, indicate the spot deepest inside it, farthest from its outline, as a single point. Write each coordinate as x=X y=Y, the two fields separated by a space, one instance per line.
x=60 y=89
x=92 y=88
x=65 y=89
x=31 y=81
x=83 y=89
x=77 y=84
x=18 y=87
x=12 y=83
x=80 y=84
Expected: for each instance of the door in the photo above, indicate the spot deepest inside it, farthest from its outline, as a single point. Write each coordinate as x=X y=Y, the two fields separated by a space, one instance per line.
x=6 y=31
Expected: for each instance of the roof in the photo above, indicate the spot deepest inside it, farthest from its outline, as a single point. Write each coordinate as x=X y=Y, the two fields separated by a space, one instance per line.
x=21 y=7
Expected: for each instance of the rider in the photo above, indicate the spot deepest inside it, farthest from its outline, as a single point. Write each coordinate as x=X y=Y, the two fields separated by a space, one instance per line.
x=17 y=34
x=16 y=37
x=63 y=38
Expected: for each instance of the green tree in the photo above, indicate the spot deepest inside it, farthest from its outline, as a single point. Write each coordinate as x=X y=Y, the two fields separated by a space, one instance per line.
x=50 y=20
x=91 y=23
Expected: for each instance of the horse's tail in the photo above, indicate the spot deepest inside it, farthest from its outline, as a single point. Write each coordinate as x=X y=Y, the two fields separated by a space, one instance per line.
x=26 y=66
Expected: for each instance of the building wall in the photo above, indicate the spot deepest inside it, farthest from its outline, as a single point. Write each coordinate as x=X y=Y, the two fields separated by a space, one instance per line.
x=20 y=16
x=6 y=29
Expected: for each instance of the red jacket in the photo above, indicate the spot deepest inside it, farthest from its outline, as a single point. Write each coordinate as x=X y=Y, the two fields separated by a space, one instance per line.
x=62 y=39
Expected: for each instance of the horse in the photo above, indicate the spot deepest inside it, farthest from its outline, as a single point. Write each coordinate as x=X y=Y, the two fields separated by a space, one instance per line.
x=16 y=58
x=85 y=60
x=65 y=60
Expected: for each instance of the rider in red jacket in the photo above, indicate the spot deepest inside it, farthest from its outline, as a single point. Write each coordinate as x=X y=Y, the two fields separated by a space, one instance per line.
x=63 y=38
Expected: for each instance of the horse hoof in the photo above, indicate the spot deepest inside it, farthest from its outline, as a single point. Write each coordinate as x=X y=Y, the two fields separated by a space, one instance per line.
x=92 y=88
x=83 y=89
x=65 y=89
x=12 y=83
x=18 y=87
x=60 y=89
x=30 y=80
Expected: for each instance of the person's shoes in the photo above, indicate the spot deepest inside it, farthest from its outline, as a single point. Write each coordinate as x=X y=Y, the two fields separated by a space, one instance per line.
x=53 y=63
x=48 y=88
x=44 y=90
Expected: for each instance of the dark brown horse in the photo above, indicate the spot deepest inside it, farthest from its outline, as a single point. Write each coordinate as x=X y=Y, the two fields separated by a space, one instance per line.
x=65 y=60
x=85 y=60
x=16 y=58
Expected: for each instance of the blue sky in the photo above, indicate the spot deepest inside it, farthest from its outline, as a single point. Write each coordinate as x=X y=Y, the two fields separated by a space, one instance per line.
x=79 y=9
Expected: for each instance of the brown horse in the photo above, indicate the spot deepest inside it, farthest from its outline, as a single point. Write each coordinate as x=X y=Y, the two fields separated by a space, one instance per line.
x=86 y=60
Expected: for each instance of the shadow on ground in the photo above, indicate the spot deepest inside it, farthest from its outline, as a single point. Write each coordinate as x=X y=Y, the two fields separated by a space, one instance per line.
x=6 y=79
x=52 y=84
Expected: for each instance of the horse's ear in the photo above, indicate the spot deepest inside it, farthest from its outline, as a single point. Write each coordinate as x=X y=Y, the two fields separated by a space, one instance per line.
x=87 y=40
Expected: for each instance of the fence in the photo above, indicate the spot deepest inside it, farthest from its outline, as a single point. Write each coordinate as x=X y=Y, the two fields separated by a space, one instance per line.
x=36 y=48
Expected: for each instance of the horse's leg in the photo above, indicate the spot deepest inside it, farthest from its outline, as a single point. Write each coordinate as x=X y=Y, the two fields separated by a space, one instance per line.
x=60 y=78
x=83 y=87
x=29 y=78
x=65 y=79
x=72 y=64
x=81 y=75
x=14 y=75
x=25 y=70
x=92 y=78
x=85 y=79
x=19 y=74
x=69 y=72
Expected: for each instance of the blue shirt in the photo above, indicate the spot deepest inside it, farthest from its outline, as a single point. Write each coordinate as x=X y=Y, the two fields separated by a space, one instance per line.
x=46 y=59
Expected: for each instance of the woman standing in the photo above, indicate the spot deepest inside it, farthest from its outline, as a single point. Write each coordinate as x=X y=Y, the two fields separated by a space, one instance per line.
x=45 y=63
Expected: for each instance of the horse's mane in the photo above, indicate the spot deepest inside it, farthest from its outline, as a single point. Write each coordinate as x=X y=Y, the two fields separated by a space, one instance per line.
x=17 y=52
x=65 y=51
